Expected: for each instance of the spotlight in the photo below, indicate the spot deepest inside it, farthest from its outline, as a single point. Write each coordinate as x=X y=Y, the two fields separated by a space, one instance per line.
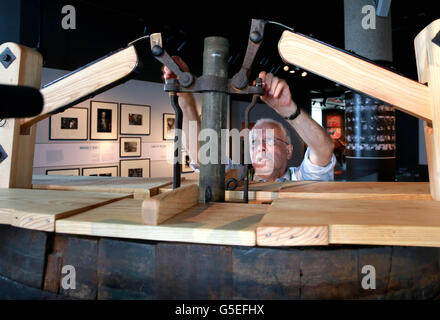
x=292 y=71
x=286 y=68
x=304 y=74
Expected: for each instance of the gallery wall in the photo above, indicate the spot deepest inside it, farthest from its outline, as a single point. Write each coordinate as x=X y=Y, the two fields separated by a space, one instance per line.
x=55 y=154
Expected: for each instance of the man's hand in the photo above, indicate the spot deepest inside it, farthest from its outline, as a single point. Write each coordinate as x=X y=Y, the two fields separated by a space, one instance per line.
x=278 y=94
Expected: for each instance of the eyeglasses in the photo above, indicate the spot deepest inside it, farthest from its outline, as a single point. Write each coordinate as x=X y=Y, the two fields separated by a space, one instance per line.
x=269 y=141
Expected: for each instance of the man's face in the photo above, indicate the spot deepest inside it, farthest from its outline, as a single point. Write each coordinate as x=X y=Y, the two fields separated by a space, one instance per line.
x=269 y=150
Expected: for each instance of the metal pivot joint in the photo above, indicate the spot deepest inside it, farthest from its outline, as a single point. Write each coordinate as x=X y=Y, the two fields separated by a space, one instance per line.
x=7 y=57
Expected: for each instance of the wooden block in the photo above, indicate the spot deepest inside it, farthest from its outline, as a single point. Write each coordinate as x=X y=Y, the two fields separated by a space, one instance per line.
x=370 y=222
x=266 y=273
x=39 y=209
x=164 y=206
x=126 y=270
x=404 y=94
x=215 y=223
x=141 y=188
x=55 y=263
x=23 y=254
x=190 y=271
x=83 y=82
x=357 y=190
x=16 y=169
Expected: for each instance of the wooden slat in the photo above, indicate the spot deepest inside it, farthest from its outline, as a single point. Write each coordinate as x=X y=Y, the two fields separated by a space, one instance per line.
x=141 y=188
x=81 y=83
x=164 y=206
x=334 y=190
x=360 y=75
x=193 y=271
x=357 y=190
x=16 y=169
x=215 y=223
x=39 y=209
x=370 y=222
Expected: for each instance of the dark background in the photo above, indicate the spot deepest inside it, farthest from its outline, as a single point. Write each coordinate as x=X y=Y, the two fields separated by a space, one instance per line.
x=103 y=27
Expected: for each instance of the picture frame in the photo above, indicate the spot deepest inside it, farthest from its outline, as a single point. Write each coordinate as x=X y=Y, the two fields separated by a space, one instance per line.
x=71 y=124
x=186 y=160
x=103 y=120
x=63 y=172
x=130 y=147
x=168 y=123
x=108 y=171
x=134 y=119
x=135 y=168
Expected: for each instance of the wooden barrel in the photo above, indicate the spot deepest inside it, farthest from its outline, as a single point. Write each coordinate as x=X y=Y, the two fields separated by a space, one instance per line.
x=106 y=268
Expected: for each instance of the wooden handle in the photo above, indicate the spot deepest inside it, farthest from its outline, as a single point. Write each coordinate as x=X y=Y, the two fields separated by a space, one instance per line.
x=85 y=81
x=169 y=204
x=404 y=94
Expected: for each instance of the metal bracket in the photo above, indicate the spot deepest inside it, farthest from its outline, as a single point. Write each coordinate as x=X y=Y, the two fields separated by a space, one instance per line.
x=3 y=154
x=7 y=57
x=436 y=39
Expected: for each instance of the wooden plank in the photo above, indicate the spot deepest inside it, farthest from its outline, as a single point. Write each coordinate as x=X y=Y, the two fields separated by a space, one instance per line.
x=378 y=222
x=214 y=223
x=39 y=209
x=126 y=270
x=266 y=273
x=141 y=188
x=357 y=190
x=54 y=265
x=402 y=93
x=428 y=67
x=414 y=274
x=329 y=273
x=164 y=206
x=23 y=254
x=16 y=169
x=190 y=271
x=82 y=254
x=83 y=82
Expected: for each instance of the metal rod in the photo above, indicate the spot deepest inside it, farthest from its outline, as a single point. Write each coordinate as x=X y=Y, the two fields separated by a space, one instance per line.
x=246 y=148
x=214 y=110
x=177 y=165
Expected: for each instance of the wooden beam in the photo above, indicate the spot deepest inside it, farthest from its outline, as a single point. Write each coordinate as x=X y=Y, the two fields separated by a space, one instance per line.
x=16 y=169
x=428 y=67
x=81 y=83
x=167 y=205
x=355 y=73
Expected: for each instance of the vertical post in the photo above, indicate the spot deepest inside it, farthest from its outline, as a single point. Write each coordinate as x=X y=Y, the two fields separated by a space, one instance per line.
x=214 y=111
x=18 y=147
x=428 y=68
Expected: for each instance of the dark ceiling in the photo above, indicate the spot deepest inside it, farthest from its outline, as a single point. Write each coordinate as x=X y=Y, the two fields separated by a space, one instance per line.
x=104 y=26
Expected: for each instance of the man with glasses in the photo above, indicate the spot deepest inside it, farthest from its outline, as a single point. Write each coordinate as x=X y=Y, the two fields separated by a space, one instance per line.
x=270 y=146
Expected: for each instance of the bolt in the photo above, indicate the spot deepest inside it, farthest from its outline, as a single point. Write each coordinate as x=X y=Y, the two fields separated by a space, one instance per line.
x=6 y=58
x=255 y=36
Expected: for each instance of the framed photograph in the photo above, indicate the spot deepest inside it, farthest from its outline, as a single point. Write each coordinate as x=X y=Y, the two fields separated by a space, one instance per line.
x=135 y=119
x=135 y=168
x=168 y=126
x=110 y=171
x=103 y=120
x=63 y=172
x=186 y=160
x=70 y=124
x=130 y=147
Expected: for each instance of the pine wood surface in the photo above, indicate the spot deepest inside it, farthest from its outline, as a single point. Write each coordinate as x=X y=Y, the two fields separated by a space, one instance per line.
x=141 y=188
x=39 y=209
x=372 y=222
x=215 y=223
